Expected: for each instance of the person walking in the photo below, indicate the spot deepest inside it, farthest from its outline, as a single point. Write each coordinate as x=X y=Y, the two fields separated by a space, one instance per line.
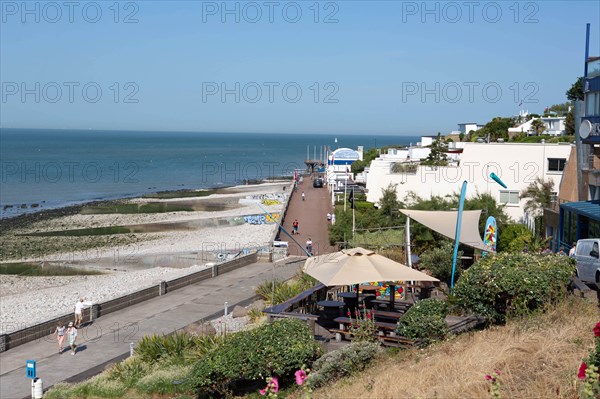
x=295 y=225
x=309 y=246
x=72 y=333
x=59 y=333
x=303 y=196
x=78 y=313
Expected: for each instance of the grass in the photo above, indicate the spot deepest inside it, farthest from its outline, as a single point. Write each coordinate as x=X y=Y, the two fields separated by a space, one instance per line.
x=93 y=231
x=153 y=207
x=180 y=194
x=538 y=358
x=34 y=269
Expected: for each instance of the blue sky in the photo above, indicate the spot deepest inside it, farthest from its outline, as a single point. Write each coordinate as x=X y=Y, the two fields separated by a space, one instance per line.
x=385 y=67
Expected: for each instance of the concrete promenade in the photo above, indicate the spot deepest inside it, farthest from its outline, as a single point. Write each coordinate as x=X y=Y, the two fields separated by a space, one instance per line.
x=107 y=339
x=312 y=219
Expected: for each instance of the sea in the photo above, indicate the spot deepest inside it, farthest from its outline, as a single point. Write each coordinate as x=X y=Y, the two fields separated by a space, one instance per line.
x=47 y=169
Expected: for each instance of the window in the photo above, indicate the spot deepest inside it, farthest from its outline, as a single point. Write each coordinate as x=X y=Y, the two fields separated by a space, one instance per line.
x=556 y=164
x=509 y=197
x=553 y=196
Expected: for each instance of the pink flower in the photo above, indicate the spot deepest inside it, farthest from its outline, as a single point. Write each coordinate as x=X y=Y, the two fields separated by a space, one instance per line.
x=498 y=372
x=300 y=376
x=274 y=384
x=597 y=330
x=490 y=378
x=263 y=391
x=368 y=315
x=581 y=374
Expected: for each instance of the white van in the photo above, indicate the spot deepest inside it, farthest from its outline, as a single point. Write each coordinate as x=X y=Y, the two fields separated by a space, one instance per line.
x=587 y=256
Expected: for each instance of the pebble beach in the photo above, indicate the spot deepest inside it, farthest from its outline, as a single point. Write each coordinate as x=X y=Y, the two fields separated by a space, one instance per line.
x=55 y=295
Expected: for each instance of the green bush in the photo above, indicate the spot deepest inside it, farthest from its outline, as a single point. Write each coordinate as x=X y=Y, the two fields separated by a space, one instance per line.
x=425 y=321
x=342 y=362
x=161 y=380
x=276 y=349
x=129 y=371
x=153 y=348
x=513 y=284
x=438 y=261
x=514 y=238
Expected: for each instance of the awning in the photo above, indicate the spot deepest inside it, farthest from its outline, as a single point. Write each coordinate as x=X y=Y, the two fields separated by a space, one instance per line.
x=444 y=222
x=591 y=209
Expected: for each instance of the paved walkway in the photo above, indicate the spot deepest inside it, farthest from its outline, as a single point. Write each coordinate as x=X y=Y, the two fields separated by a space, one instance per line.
x=108 y=338
x=312 y=219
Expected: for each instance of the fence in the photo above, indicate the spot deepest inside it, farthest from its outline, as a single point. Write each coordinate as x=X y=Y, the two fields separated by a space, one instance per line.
x=42 y=330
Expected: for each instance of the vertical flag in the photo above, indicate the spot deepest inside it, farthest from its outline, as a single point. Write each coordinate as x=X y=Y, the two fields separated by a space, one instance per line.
x=351 y=199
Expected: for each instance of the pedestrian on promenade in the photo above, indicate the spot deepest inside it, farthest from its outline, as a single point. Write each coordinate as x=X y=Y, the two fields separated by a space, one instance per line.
x=78 y=313
x=303 y=197
x=60 y=335
x=328 y=217
x=561 y=252
x=72 y=333
x=295 y=225
x=309 y=247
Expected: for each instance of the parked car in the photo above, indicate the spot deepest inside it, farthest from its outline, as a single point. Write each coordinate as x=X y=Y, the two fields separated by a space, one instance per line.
x=587 y=256
x=318 y=182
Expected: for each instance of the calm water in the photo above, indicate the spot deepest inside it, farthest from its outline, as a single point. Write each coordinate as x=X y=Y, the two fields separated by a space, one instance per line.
x=54 y=168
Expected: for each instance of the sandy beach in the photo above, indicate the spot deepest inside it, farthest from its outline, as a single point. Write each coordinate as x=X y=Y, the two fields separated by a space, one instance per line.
x=238 y=223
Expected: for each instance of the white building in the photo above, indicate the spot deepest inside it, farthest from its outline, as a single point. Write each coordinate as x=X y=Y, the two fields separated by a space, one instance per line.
x=339 y=163
x=517 y=164
x=465 y=128
x=554 y=126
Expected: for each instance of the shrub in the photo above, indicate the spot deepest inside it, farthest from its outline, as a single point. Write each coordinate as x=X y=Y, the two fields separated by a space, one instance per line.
x=161 y=380
x=129 y=371
x=342 y=362
x=438 y=261
x=152 y=348
x=515 y=237
x=275 y=349
x=513 y=284
x=425 y=321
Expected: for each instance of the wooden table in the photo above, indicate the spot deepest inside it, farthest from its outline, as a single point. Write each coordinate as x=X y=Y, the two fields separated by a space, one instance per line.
x=331 y=309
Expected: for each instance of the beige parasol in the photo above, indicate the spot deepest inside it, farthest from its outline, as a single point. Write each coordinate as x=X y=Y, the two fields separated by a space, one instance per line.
x=358 y=265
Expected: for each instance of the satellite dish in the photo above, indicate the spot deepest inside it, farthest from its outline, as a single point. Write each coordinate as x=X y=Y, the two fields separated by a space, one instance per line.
x=585 y=129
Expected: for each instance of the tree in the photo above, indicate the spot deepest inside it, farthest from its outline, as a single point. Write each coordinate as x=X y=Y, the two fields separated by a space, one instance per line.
x=437 y=154
x=389 y=204
x=538 y=126
x=539 y=196
x=570 y=123
x=496 y=128
x=575 y=93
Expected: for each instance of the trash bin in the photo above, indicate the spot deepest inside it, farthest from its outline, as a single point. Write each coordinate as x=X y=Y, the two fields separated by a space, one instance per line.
x=37 y=388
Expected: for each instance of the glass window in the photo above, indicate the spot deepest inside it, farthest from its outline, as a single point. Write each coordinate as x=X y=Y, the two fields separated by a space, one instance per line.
x=556 y=164
x=594 y=228
x=509 y=197
x=593 y=104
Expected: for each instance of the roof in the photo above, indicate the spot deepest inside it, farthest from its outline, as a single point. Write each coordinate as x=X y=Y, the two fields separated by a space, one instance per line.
x=590 y=209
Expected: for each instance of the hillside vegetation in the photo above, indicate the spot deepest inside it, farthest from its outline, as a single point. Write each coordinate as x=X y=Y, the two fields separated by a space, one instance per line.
x=538 y=357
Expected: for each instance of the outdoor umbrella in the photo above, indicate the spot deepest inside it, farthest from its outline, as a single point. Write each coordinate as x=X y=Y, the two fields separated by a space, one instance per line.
x=357 y=265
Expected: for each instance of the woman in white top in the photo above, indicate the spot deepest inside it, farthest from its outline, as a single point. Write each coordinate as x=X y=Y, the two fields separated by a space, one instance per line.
x=60 y=335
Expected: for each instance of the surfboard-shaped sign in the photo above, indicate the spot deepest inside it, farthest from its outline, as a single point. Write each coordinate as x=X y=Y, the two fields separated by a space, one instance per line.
x=490 y=235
